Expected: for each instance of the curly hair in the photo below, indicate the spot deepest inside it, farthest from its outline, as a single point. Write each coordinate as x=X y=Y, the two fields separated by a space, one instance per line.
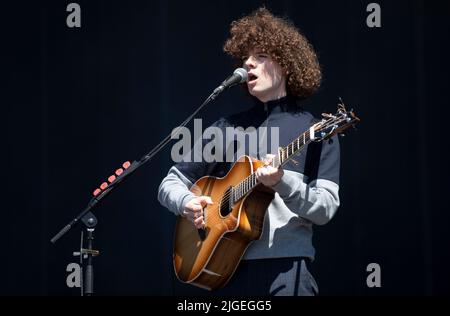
x=280 y=39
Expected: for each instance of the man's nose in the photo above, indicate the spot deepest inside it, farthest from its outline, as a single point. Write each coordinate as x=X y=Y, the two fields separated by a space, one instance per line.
x=250 y=63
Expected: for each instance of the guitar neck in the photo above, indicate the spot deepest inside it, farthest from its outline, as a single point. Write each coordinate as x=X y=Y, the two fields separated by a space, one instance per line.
x=284 y=155
x=329 y=126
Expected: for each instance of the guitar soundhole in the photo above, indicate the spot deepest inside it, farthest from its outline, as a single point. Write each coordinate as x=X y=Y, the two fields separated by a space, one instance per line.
x=225 y=203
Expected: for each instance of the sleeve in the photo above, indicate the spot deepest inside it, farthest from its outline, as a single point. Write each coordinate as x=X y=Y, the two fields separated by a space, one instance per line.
x=174 y=191
x=314 y=195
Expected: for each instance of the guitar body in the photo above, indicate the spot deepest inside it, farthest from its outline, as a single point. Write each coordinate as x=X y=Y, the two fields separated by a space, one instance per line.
x=208 y=258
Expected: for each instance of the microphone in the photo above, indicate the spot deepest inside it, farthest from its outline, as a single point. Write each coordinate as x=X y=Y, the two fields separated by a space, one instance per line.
x=239 y=75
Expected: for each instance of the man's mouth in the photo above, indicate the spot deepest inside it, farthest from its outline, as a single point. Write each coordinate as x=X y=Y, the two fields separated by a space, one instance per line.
x=252 y=78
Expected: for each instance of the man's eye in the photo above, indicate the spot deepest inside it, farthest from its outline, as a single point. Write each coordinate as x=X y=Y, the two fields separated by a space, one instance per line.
x=263 y=55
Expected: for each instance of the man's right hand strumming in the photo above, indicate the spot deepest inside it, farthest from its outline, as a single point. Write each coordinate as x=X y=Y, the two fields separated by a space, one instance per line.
x=193 y=210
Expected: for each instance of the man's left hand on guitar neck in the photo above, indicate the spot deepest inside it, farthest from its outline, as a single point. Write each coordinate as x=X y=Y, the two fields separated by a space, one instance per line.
x=268 y=175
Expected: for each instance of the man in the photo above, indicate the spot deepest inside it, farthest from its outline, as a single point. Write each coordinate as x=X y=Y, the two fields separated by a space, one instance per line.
x=283 y=69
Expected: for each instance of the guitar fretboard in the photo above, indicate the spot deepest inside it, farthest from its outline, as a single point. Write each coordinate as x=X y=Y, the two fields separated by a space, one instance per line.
x=284 y=154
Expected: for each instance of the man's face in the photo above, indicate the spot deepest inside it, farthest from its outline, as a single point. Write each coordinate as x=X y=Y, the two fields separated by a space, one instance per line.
x=266 y=80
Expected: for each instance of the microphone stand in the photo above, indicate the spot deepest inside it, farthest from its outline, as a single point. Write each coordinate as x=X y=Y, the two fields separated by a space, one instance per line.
x=89 y=219
x=87 y=270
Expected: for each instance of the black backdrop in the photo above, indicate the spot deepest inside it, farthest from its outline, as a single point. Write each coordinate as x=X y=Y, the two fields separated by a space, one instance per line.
x=79 y=102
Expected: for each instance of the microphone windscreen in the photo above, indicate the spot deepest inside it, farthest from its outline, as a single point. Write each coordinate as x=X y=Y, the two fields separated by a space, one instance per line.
x=242 y=73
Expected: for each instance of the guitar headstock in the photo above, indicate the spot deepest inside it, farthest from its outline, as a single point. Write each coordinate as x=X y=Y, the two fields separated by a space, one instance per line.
x=332 y=124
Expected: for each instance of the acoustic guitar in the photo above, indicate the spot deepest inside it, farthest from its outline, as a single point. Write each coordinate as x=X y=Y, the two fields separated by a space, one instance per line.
x=208 y=257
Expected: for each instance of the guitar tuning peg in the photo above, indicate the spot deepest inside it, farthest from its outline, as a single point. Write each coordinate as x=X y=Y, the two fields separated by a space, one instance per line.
x=126 y=164
x=104 y=185
x=111 y=178
x=96 y=192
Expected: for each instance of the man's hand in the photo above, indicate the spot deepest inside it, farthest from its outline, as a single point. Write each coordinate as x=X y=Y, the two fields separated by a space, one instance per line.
x=193 y=210
x=268 y=175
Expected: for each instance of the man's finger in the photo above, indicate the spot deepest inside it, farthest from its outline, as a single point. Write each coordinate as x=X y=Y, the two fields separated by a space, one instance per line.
x=200 y=226
x=196 y=208
x=198 y=221
x=268 y=159
x=198 y=214
x=263 y=171
x=190 y=217
x=259 y=172
x=204 y=200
